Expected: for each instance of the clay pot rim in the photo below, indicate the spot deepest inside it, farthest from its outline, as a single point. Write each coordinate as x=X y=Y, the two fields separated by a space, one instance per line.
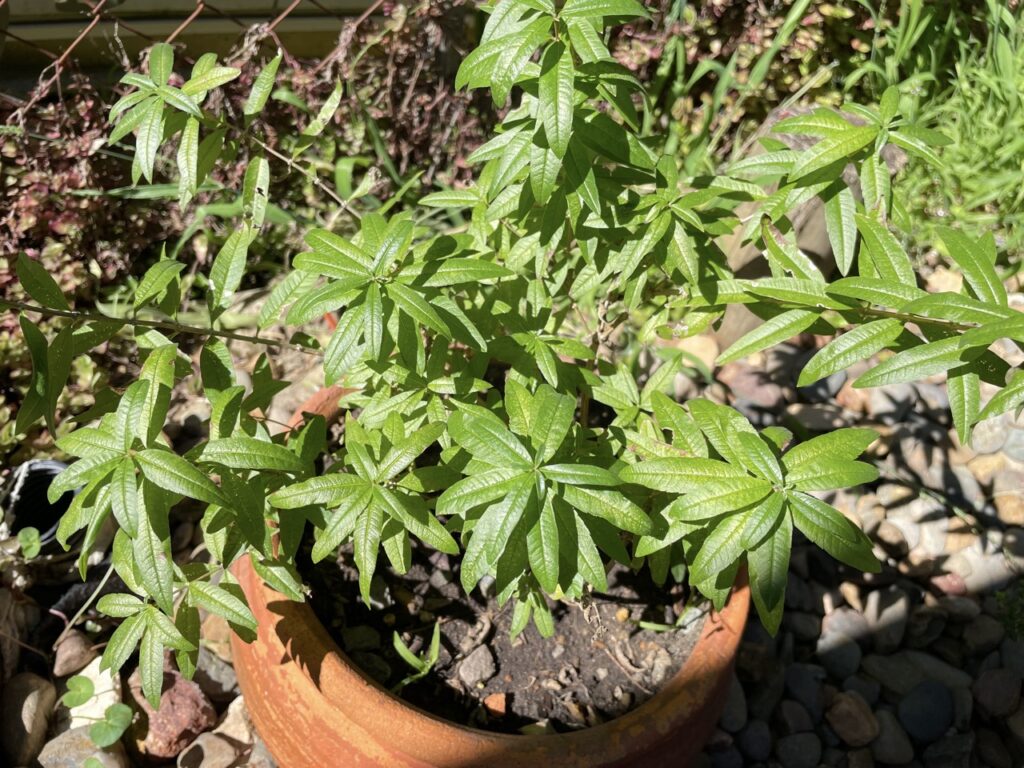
x=293 y=629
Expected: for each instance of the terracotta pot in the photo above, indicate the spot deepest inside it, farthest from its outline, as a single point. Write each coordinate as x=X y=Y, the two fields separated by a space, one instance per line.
x=315 y=709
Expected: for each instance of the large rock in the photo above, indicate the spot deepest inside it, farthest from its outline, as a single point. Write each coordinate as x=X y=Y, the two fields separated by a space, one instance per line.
x=184 y=713
x=72 y=748
x=25 y=710
x=927 y=711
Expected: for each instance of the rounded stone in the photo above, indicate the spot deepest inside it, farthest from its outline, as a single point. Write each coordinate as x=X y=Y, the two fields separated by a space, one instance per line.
x=25 y=710
x=997 y=692
x=801 y=750
x=852 y=719
x=892 y=744
x=755 y=740
x=927 y=711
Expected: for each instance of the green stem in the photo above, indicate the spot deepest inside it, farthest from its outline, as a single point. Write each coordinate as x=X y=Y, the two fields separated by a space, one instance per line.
x=163 y=325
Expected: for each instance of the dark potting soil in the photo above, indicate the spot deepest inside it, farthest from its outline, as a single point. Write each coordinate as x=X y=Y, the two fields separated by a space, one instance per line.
x=600 y=663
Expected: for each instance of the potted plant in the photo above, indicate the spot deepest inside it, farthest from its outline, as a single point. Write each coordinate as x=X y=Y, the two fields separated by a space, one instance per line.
x=495 y=411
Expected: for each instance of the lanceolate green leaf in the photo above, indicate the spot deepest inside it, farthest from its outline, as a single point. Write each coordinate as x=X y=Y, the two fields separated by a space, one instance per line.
x=173 y=473
x=610 y=506
x=857 y=344
x=241 y=452
x=38 y=284
x=778 y=329
x=220 y=601
x=827 y=528
x=916 y=363
x=842 y=226
x=886 y=254
x=833 y=149
x=979 y=271
x=769 y=572
x=555 y=96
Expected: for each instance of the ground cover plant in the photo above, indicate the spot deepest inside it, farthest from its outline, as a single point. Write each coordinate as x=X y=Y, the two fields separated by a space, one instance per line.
x=494 y=414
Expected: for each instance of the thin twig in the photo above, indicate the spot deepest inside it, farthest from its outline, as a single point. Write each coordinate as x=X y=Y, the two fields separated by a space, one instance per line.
x=164 y=325
x=85 y=606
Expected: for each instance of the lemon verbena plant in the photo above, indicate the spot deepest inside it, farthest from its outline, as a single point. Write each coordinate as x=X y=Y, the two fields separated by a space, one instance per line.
x=495 y=406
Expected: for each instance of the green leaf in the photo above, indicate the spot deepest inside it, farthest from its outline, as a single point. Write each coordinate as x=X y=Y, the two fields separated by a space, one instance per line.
x=964 y=389
x=552 y=418
x=156 y=279
x=417 y=307
x=855 y=345
x=580 y=474
x=348 y=258
x=38 y=284
x=826 y=527
x=180 y=101
x=173 y=473
x=261 y=88
x=366 y=541
x=161 y=63
x=119 y=605
x=841 y=224
x=832 y=475
x=815 y=454
x=784 y=253
x=479 y=489
x=457 y=271
x=758 y=457
x=678 y=474
x=326 y=489
x=721 y=549
x=153 y=562
x=151 y=667
x=589 y=9
x=343 y=520
x=915 y=363
x=608 y=505
x=484 y=436
x=833 y=149
x=255 y=187
x=977 y=266
x=874 y=291
x=200 y=85
x=774 y=331
x=124 y=497
x=542 y=547
x=414 y=516
x=719 y=496
x=229 y=267
x=122 y=643
x=762 y=519
x=1009 y=397
x=28 y=542
x=241 y=452
x=555 y=91
x=148 y=137
x=887 y=255
x=221 y=602
x=80 y=690
x=769 y=572
x=344 y=350
x=111 y=728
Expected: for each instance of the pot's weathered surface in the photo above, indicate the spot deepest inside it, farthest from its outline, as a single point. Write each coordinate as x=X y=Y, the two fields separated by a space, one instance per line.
x=315 y=709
